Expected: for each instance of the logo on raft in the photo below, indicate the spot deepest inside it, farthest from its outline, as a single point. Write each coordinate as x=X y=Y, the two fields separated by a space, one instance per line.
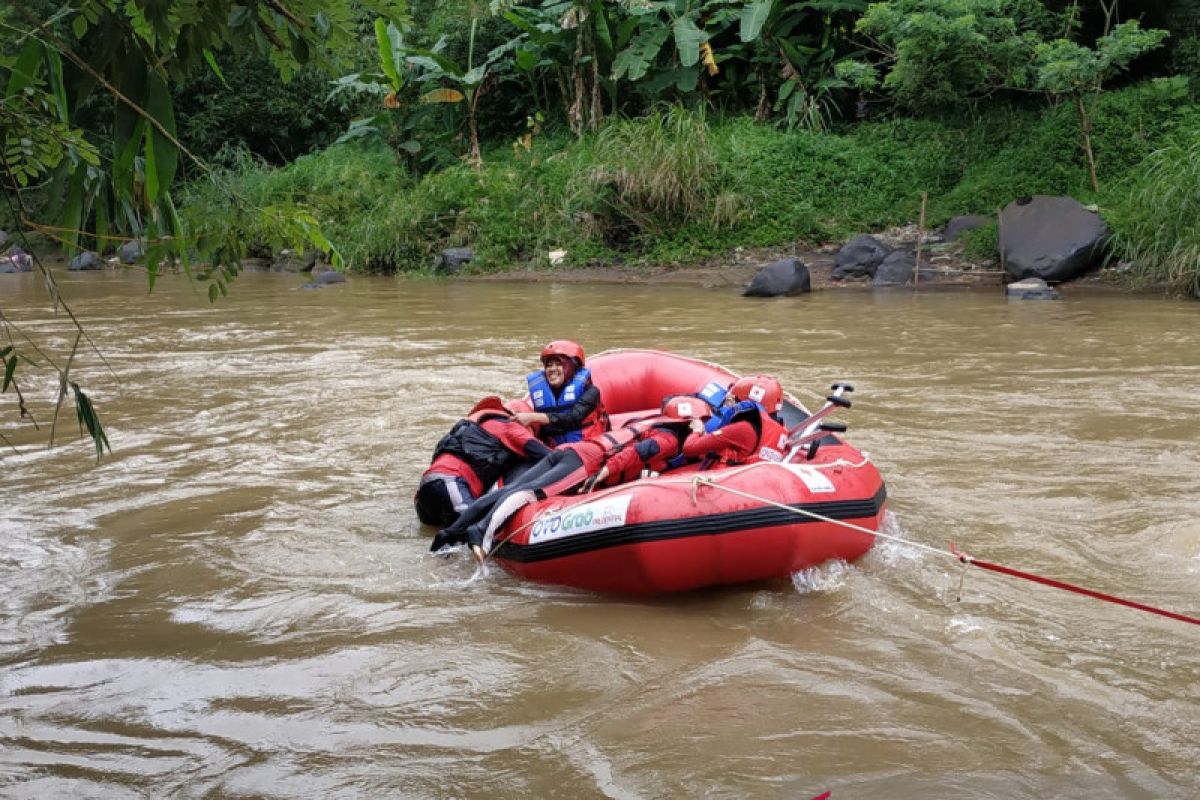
x=607 y=513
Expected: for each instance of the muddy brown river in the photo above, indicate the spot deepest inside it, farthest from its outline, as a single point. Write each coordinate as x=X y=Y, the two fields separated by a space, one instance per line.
x=239 y=601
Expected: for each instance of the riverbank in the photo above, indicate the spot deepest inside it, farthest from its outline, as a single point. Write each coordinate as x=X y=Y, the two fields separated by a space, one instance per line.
x=943 y=266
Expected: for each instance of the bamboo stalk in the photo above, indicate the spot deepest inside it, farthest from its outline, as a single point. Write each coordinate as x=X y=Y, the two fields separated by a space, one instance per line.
x=920 y=240
x=1000 y=241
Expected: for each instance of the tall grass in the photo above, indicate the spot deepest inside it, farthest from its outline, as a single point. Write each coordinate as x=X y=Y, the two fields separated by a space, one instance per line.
x=1157 y=224
x=660 y=172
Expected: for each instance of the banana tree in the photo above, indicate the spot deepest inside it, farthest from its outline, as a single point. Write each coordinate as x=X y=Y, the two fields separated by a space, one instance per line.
x=436 y=79
x=576 y=43
x=649 y=62
x=798 y=38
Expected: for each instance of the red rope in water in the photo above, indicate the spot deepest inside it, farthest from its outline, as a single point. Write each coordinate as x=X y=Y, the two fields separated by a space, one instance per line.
x=1070 y=587
x=963 y=557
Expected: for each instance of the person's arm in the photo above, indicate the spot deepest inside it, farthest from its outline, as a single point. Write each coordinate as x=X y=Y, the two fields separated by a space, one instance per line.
x=517 y=437
x=734 y=442
x=555 y=424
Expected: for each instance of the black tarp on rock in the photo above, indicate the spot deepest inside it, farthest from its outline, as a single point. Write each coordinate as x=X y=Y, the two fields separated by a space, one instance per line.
x=1052 y=238
x=786 y=277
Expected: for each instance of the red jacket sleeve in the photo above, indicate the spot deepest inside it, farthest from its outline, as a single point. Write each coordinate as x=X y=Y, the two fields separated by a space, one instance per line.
x=733 y=443
x=627 y=464
x=516 y=437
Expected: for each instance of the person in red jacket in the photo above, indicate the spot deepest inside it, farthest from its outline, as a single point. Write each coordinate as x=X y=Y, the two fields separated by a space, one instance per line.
x=746 y=429
x=657 y=450
x=470 y=458
x=613 y=456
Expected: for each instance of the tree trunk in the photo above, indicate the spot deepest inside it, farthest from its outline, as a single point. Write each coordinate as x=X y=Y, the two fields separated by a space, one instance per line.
x=1085 y=125
x=763 y=112
x=474 y=154
x=597 y=108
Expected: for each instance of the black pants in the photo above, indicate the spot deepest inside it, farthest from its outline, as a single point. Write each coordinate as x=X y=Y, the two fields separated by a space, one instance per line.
x=441 y=498
x=555 y=474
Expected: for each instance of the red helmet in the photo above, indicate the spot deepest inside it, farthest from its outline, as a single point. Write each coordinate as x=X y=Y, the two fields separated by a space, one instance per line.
x=563 y=347
x=762 y=389
x=686 y=407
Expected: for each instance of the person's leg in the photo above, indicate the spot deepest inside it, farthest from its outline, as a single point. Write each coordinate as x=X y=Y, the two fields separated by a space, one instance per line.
x=478 y=509
x=441 y=498
x=567 y=472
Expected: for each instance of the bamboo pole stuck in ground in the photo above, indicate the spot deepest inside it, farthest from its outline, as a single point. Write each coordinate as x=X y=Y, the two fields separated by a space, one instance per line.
x=1000 y=242
x=920 y=240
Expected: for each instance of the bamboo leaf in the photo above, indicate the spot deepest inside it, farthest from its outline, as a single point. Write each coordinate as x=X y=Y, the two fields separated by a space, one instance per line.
x=58 y=90
x=71 y=216
x=215 y=67
x=85 y=412
x=212 y=293
x=10 y=367
x=162 y=157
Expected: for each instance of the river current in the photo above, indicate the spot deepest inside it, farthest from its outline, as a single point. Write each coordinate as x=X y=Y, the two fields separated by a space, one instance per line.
x=239 y=601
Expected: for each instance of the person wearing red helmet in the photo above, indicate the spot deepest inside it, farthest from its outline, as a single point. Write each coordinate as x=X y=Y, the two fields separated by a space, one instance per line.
x=610 y=458
x=566 y=404
x=470 y=458
x=746 y=428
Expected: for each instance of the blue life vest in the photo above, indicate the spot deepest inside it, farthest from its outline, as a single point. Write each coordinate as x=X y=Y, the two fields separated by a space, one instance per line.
x=722 y=417
x=725 y=415
x=542 y=396
x=713 y=393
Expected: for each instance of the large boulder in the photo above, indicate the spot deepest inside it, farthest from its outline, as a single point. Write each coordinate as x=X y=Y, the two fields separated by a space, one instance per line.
x=859 y=258
x=957 y=226
x=896 y=269
x=452 y=260
x=132 y=251
x=1052 y=238
x=787 y=277
x=16 y=260
x=85 y=261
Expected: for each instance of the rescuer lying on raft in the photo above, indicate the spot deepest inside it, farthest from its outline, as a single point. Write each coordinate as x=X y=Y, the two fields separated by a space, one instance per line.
x=470 y=458
x=613 y=457
x=744 y=428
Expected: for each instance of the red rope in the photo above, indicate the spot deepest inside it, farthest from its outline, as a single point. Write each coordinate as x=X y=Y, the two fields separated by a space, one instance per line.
x=1070 y=587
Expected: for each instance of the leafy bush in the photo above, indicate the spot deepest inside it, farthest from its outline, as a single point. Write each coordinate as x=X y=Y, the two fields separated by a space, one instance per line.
x=979 y=244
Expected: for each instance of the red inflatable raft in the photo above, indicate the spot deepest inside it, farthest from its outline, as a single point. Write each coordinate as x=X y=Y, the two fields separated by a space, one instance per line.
x=688 y=529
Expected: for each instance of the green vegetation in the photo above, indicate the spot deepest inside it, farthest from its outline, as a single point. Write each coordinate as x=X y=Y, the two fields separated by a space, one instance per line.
x=674 y=186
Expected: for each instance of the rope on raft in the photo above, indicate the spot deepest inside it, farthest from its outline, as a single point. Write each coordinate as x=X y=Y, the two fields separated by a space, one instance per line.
x=963 y=558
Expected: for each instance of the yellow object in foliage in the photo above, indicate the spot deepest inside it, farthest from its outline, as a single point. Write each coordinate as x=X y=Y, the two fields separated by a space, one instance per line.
x=706 y=55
